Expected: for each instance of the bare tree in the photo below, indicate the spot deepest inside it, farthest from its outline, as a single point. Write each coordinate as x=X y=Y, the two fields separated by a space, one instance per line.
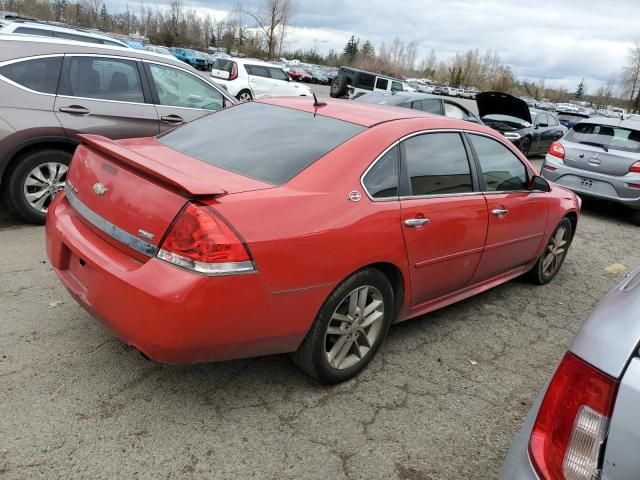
x=270 y=17
x=631 y=77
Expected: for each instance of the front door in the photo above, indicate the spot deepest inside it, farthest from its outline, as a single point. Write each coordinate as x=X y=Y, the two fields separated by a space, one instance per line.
x=104 y=96
x=180 y=96
x=517 y=216
x=444 y=219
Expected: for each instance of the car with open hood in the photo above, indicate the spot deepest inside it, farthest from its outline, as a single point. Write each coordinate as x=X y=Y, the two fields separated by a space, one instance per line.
x=531 y=130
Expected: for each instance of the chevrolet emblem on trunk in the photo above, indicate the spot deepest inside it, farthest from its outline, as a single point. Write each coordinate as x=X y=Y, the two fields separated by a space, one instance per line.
x=99 y=188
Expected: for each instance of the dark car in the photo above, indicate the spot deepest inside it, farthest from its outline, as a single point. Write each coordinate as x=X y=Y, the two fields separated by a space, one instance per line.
x=53 y=90
x=569 y=119
x=421 y=101
x=532 y=131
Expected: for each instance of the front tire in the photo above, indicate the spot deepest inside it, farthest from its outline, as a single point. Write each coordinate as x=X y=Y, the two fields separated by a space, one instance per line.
x=635 y=217
x=35 y=180
x=349 y=328
x=552 y=258
x=525 y=146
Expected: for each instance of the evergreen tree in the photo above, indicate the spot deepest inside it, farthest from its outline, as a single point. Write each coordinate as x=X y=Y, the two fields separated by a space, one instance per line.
x=367 y=50
x=581 y=90
x=352 y=49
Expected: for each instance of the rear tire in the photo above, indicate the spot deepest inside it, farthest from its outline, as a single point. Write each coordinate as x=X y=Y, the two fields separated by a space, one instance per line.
x=349 y=328
x=338 y=87
x=244 y=96
x=552 y=258
x=35 y=180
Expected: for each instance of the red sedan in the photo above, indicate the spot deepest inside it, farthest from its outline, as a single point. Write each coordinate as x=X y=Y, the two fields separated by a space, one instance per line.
x=310 y=230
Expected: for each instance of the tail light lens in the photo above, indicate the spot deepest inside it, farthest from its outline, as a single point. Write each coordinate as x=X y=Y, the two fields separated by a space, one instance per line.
x=234 y=71
x=199 y=240
x=635 y=167
x=557 y=150
x=573 y=422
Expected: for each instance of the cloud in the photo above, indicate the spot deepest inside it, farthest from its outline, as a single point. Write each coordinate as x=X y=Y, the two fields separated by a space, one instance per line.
x=562 y=42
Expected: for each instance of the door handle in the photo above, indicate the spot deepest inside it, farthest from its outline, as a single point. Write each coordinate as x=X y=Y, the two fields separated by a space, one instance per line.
x=499 y=212
x=76 y=109
x=416 y=222
x=172 y=119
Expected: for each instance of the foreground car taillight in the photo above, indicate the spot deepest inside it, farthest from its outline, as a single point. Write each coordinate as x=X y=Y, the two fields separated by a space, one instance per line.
x=573 y=421
x=557 y=150
x=201 y=241
x=635 y=167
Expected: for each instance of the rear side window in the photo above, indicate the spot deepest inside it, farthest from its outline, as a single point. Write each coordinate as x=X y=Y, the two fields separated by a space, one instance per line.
x=301 y=140
x=40 y=74
x=34 y=31
x=501 y=169
x=104 y=79
x=437 y=164
x=257 y=70
x=365 y=80
x=431 y=106
x=615 y=138
x=382 y=180
x=382 y=83
x=79 y=38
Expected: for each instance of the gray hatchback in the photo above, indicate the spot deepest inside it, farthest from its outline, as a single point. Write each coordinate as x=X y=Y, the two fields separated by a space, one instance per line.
x=53 y=90
x=599 y=157
x=585 y=423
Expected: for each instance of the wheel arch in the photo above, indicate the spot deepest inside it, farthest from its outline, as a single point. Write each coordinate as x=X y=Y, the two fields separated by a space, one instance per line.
x=396 y=279
x=573 y=218
x=10 y=159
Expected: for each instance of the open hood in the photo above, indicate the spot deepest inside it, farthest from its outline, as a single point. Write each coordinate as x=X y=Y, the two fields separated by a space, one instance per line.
x=498 y=103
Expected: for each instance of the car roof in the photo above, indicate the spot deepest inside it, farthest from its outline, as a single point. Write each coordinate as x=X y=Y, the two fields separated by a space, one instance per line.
x=253 y=61
x=366 y=114
x=52 y=45
x=613 y=122
x=55 y=28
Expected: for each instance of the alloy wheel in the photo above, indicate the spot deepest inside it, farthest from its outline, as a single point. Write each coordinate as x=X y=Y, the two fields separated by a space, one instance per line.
x=354 y=327
x=555 y=251
x=244 y=97
x=43 y=183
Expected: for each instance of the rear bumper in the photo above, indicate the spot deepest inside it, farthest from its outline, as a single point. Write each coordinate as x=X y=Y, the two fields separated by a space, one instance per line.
x=170 y=314
x=592 y=184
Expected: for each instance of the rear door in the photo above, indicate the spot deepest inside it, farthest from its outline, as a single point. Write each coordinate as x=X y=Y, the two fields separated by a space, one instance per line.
x=444 y=219
x=517 y=216
x=259 y=80
x=602 y=148
x=180 y=96
x=104 y=95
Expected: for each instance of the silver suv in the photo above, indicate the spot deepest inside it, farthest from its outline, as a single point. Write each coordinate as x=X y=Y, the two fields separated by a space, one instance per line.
x=599 y=157
x=51 y=91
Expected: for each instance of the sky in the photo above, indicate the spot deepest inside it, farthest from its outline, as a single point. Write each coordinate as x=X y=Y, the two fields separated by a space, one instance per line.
x=561 y=41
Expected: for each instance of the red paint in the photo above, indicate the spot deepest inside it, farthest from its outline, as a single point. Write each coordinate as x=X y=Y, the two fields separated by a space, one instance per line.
x=305 y=237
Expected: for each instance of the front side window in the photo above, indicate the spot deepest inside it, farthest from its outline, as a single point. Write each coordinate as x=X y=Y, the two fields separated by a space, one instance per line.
x=437 y=164
x=177 y=88
x=382 y=83
x=104 y=79
x=541 y=120
x=302 y=139
x=278 y=74
x=431 y=106
x=382 y=180
x=396 y=86
x=501 y=169
x=41 y=74
x=454 y=111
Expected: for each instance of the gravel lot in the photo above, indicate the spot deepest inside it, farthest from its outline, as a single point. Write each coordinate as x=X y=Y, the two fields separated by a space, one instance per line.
x=441 y=400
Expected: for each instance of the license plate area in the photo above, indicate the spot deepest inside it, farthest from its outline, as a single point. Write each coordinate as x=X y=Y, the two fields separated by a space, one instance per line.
x=80 y=270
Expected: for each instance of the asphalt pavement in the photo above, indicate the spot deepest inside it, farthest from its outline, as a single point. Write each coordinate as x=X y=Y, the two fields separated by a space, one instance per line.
x=440 y=401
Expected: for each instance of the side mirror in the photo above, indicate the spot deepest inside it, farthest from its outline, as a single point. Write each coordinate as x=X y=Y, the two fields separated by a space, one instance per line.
x=539 y=184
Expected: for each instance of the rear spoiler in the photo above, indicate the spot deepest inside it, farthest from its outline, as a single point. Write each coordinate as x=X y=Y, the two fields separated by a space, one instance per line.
x=175 y=179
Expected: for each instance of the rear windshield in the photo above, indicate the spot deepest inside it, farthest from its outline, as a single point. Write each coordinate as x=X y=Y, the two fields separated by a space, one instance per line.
x=223 y=64
x=615 y=138
x=264 y=142
x=571 y=118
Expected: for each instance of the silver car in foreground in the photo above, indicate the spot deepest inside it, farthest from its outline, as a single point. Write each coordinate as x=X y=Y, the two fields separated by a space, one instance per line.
x=585 y=423
x=599 y=157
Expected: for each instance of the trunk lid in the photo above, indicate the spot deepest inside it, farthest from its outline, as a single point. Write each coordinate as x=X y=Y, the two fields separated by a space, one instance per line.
x=132 y=190
x=607 y=149
x=498 y=103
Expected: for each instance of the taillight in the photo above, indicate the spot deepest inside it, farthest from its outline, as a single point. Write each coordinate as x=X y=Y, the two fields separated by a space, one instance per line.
x=201 y=241
x=234 y=71
x=557 y=150
x=573 y=422
x=635 y=167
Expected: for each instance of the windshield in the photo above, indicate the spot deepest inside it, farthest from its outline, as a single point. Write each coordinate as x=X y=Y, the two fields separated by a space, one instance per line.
x=302 y=139
x=611 y=138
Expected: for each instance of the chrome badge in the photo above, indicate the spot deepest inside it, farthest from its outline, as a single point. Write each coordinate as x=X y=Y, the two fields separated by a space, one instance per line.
x=100 y=189
x=145 y=234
